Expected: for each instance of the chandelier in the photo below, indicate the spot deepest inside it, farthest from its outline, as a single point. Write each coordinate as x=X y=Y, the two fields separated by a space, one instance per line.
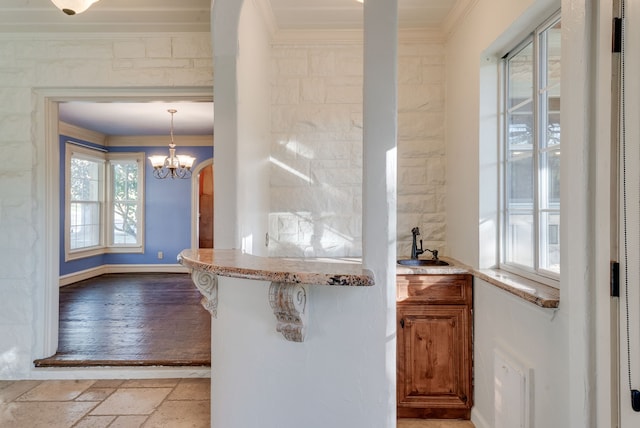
x=173 y=166
x=71 y=7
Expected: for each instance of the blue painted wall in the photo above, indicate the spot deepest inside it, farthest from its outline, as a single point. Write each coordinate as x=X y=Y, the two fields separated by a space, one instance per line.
x=167 y=212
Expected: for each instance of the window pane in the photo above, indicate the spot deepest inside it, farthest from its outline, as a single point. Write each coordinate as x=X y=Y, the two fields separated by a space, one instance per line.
x=520 y=128
x=519 y=241
x=125 y=225
x=550 y=179
x=552 y=50
x=550 y=241
x=84 y=225
x=125 y=202
x=520 y=75
x=520 y=188
x=85 y=180
x=550 y=85
x=553 y=125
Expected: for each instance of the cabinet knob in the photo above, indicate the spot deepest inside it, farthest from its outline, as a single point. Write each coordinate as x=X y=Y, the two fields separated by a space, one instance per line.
x=402 y=322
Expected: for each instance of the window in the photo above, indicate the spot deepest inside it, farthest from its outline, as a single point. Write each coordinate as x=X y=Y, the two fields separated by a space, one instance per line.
x=86 y=198
x=105 y=203
x=125 y=203
x=531 y=168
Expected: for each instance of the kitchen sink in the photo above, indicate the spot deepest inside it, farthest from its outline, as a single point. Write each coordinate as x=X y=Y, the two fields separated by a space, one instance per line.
x=420 y=262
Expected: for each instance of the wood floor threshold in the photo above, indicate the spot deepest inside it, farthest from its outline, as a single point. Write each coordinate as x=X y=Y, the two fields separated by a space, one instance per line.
x=132 y=320
x=57 y=362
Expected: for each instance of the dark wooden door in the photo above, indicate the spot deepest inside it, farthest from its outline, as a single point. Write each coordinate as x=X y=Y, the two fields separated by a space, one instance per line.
x=205 y=208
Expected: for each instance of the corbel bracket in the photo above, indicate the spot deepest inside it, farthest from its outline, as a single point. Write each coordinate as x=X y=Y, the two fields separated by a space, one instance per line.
x=207 y=284
x=289 y=304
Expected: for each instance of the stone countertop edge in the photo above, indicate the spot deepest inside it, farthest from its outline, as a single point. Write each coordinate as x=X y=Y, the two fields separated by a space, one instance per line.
x=454 y=268
x=346 y=271
x=531 y=291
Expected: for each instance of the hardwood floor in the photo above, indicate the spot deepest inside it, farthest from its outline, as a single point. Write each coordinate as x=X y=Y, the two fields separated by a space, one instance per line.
x=132 y=320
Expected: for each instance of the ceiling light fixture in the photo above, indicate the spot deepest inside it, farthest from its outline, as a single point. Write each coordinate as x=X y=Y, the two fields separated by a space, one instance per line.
x=173 y=166
x=72 y=7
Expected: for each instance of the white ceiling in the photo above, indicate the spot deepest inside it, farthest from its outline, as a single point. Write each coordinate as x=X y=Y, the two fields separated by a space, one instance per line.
x=131 y=16
x=150 y=118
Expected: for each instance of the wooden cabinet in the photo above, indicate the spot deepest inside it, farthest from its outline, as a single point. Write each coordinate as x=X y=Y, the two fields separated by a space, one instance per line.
x=435 y=360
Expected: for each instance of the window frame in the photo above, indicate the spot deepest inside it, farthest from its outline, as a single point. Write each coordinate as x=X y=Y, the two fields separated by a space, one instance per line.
x=534 y=272
x=106 y=245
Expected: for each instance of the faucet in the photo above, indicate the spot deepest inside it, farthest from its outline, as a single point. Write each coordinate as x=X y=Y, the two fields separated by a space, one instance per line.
x=415 y=251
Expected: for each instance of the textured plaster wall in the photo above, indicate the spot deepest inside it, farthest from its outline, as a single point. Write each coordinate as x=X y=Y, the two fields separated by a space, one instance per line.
x=316 y=150
x=58 y=61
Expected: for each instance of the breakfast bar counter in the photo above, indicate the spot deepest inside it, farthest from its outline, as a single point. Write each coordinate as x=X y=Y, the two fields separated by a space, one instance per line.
x=289 y=277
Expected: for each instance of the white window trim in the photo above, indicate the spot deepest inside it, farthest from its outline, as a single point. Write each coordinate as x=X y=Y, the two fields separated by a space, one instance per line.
x=105 y=246
x=541 y=275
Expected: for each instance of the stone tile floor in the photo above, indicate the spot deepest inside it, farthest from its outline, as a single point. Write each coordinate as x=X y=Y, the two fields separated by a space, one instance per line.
x=173 y=403
x=105 y=403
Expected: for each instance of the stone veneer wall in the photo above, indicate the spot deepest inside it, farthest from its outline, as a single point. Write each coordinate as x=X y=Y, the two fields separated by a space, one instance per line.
x=316 y=181
x=62 y=61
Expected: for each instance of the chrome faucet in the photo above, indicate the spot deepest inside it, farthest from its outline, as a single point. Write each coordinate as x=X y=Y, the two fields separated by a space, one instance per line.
x=415 y=251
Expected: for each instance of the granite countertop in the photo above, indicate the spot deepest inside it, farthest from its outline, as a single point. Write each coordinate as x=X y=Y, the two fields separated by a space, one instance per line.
x=312 y=271
x=454 y=268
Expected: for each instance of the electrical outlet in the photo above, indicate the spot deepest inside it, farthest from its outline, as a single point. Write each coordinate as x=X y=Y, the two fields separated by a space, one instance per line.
x=160 y=255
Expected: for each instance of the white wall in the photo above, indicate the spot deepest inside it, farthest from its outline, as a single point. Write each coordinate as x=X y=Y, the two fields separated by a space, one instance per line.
x=421 y=144
x=59 y=61
x=558 y=346
x=533 y=338
x=316 y=182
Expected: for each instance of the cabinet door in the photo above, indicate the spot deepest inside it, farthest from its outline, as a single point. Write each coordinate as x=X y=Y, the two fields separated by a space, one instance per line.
x=434 y=361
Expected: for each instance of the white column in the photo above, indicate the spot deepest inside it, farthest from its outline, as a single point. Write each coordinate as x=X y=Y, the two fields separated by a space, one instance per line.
x=379 y=180
x=224 y=24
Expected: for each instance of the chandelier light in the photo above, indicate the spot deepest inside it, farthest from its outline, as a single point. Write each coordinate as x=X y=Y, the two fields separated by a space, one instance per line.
x=72 y=7
x=173 y=166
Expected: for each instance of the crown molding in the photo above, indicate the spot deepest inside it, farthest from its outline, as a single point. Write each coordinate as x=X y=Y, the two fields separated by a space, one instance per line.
x=158 y=140
x=130 y=140
x=454 y=18
x=81 y=133
x=352 y=37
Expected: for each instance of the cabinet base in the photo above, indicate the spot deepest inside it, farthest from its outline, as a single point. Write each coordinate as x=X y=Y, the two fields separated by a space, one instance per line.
x=433 y=413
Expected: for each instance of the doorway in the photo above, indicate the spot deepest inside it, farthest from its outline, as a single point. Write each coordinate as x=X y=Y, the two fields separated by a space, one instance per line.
x=49 y=176
x=205 y=207
x=202 y=205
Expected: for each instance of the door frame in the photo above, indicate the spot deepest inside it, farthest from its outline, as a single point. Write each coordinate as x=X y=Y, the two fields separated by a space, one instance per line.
x=47 y=179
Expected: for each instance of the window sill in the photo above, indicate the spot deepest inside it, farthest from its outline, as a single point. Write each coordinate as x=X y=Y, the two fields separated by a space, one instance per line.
x=534 y=292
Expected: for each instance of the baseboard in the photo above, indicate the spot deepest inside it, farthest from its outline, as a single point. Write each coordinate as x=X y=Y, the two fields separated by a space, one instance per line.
x=478 y=420
x=104 y=269
x=81 y=275
x=165 y=268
